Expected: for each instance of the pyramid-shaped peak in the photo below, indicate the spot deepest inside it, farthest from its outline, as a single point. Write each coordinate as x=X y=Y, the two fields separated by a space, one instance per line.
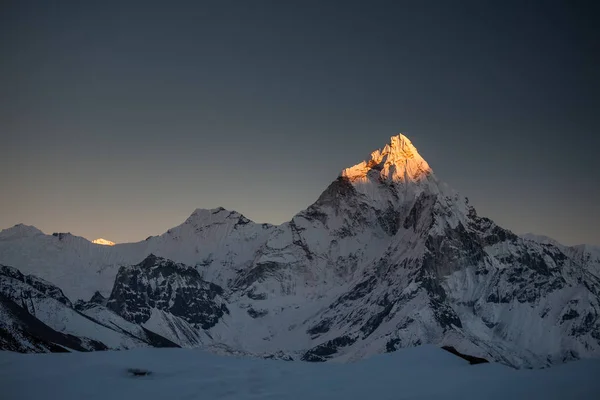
x=401 y=145
x=398 y=160
x=150 y=261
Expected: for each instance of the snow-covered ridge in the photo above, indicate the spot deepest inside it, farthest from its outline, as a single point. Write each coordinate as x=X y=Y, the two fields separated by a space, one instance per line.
x=19 y=231
x=543 y=239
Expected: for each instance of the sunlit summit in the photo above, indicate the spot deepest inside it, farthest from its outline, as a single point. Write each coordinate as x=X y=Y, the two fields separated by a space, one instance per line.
x=103 y=242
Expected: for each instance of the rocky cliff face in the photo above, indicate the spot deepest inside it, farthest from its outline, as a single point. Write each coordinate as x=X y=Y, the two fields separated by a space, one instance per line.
x=157 y=283
x=387 y=257
x=35 y=316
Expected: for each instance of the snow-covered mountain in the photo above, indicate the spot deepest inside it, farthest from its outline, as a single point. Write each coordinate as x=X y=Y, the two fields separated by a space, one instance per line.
x=103 y=242
x=36 y=316
x=387 y=257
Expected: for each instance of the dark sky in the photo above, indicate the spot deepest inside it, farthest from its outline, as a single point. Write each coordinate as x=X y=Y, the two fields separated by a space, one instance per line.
x=118 y=119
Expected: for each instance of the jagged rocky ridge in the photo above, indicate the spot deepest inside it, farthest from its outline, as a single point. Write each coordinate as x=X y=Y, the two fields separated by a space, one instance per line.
x=387 y=257
x=37 y=317
x=161 y=284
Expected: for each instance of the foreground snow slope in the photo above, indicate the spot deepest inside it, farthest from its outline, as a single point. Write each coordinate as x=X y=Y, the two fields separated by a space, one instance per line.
x=424 y=372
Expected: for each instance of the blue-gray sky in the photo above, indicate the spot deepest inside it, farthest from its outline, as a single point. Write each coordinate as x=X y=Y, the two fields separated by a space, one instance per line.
x=118 y=119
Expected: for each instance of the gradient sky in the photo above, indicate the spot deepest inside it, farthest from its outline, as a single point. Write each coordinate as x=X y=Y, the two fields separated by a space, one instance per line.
x=118 y=119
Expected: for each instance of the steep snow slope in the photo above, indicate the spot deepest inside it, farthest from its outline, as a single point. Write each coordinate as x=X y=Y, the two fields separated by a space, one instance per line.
x=175 y=329
x=22 y=332
x=424 y=372
x=37 y=308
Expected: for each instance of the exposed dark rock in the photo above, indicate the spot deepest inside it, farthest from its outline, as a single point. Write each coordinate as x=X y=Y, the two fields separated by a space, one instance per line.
x=139 y=372
x=175 y=288
x=455 y=250
x=257 y=273
x=471 y=359
x=571 y=314
x=36 y=283
x=586 y=326
x=298 y=239
x=61 y=235
x=343 y=232
x=321 y=352
x=535 y=262
x=490 y=233
x=242 y=221
x=405 y=323
x=389 y=220
x=417 y=218
x=256 y=296
x=358 y=291
x=97 y=298
x=339 y=189
x=375 y=320
x=393 y=345
x=256 y=313
x=321 y=327
x=445 y=315
x=313 y=213
x=279 y=356
x=206 y=262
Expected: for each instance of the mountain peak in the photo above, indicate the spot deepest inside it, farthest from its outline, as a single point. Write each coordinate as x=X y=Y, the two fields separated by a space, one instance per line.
x=401 y=146
x=20 y=231
x=203 y=217
x=103 y=242
x=398 y=160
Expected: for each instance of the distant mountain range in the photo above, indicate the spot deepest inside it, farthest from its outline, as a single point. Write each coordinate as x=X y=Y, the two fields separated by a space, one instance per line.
x=387 y=257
